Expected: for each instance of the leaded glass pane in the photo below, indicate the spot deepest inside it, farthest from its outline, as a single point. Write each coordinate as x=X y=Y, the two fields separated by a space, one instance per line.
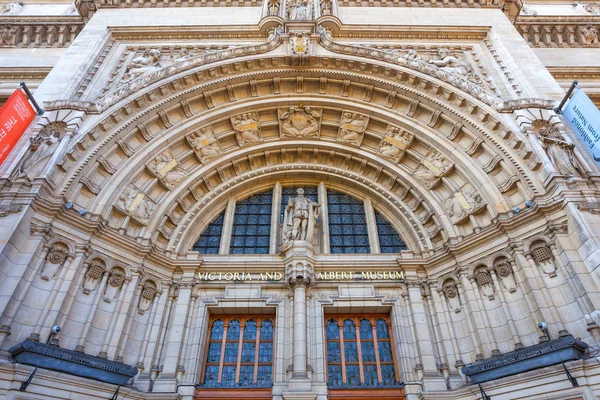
x=266 y=330
x=265 y=373
x=347 y=224
x=228 y=377
x=366 y=332
x=389 y=240
x=211 y=376
x=210 y=240
x=335 y=375
x=382 y=329
x=388 y=375
x=310 y=192
x=370 y=372
x=368 y=351
x=217 y=330
x=265 y=352
x=351 y=351
x=252 y=225
x=231 y=352
x=349 y=329
x=333 y=332
x=352 y=375
x=385 y=352
x=248 y=352
x=334 y=353
x=233 y=331
x=246 y=375
x=250 y=330
x=214 y=352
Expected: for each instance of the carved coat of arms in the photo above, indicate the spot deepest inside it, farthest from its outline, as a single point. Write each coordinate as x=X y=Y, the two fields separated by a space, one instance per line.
x=299 y=122
x=299 y=43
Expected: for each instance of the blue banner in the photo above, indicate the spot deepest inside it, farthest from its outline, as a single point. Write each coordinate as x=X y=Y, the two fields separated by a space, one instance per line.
x=584 y=117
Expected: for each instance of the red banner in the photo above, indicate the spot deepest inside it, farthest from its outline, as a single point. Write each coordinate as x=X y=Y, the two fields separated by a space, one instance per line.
x=15 y=117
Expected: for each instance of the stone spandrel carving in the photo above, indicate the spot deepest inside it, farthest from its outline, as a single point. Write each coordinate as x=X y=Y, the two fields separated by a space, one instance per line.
x=205 y=144
x=142 y=65
x=299 y=122
x=300 y=218
x=247 y=128
x=560 y=152
x=167 y=169
x=352 y=128
x=447 y=62
x=55 y=259
x=41 y=149
x=432 y=167
x=136 y=204
x=395 y=142
x=463 y=203
x=146 y=298
x=542 y=256
x=300 y=10
x=93 y=276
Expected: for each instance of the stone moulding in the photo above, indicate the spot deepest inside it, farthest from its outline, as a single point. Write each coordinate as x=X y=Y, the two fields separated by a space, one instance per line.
x=538 y=356
x=68 y=361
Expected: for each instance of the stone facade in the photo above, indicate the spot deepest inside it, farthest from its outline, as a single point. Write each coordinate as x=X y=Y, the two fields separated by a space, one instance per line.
x=163 y=116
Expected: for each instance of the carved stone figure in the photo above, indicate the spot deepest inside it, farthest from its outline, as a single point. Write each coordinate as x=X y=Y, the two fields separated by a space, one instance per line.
x=560 y=152
x=204 y=143
x=395 y=142
x=41 y=149
x=183 y=55
x=144 y=64
x=247 y=128
x=300 y=10
x=485 y=283
x=352 y=128
x=55 y=259
x=274 y=6
x=326 y=7
x=93 y=277
x=463 y=203
x=413 y=55
x=146 y=298
x=589 y=34
x=450 y=291
x=136 y=204
x=449 y=63
x=299 y=122
x=167 y=169
x=432 y=167
x=115 y=281
x=13 y=8
x=300 y=218
x=528 y=10
x=587 y=8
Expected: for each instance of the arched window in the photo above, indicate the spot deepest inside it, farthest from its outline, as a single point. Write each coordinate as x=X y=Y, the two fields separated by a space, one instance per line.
x=347 y=224
x=252 y=225
x=211 y=238
x=389 y=240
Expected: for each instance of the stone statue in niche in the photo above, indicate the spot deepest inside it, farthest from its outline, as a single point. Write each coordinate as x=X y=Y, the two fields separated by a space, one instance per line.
x=299 y=122
x=352 y=128
x=450 y=291
x=485 y=283
x=41 y=149
x=55 y=259
x=506 y=277
x=560 y=152
x=167 y=169
x=300 y=218
x=146 y=298
x=274 y=6
x=136 y=204
x=432 y=167
x=449 y=63
x=93 y=277
x=463 y=203
x=205 y=144
x=142 y=65
x=300 y=10
x=395 y=142
x=115 y=281
x=326 y=7
x=247 y=128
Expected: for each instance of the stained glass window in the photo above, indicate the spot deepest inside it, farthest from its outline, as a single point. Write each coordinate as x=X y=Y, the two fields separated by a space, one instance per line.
x=389 y=240
x=310 y=193
x=359 y=352
x=210 y=240
x=252 y=225
x=240 y=352
x=347 y=224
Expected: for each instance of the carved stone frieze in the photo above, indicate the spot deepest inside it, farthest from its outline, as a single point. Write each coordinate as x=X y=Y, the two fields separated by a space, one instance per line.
x=205 y=144
x=463 y=203
x=44 y=32
x=352 y=127
x=432 y=167
x=299 y=122
x=247 y=128
x=136 y=204
x=167 y=169
x=395 y=142
x=548 y=32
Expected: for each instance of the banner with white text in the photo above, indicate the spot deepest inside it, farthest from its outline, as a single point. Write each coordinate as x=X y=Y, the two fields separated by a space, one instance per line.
x=584 y=117
x=15 y=117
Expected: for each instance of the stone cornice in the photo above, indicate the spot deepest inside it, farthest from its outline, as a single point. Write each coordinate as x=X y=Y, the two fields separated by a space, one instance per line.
x=39 y=31
x=570 y=73
x=559 y=31
x=24 y=73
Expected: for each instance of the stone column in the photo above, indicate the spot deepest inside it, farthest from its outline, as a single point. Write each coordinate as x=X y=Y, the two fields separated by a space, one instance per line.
x=119 y=341
x=511 y=322
x=194 y=354
x=275 y=211
x=86 y=329
x=227 y=227
x=126 y=292
x=470 y=281
x=447 y=331
x=372 y=226
x=324 y=217
x=476 y=327
x=299 y=286
x=152 y=330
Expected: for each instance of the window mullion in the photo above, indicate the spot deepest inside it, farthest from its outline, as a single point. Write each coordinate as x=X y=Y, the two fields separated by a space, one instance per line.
x=342 y=353
x=225 y=327
x=372 y=227
x=324 y=217
x=239 y=356
x=227 y=227
x=256 y=350
x=359 y=348
x=393 y=346
x=376 y=346
x=275 y=210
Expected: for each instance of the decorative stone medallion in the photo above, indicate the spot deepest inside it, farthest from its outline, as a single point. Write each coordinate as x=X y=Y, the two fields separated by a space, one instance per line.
x=299 y=122
x=247 y=128
x=352 y=128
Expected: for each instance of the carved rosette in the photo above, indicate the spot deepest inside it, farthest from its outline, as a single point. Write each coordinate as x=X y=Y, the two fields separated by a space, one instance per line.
x=299 y=122
x=205 y=144
x=395 y=142
x=247 y=128
x=352 y=128
x=115 y=282
x=450 y=290
x=167 y=169
x=55 y=259
x=505 y=275
x=136 y=204
x=432 y=168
